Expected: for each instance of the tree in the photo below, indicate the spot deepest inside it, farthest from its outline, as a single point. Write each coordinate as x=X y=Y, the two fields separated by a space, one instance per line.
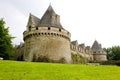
x=113 y=53
x=6 y=47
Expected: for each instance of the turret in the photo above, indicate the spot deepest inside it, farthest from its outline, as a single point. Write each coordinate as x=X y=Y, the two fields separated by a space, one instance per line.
x=99 y=54
x=46 y=40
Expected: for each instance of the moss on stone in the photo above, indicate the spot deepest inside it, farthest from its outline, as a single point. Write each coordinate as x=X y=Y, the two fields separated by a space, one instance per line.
x=77 y=59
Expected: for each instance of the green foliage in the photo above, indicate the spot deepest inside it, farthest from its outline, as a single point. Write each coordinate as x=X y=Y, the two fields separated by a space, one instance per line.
x=77 y=59
x=113 y=53
x=111 y=62
x=6 y=47
x=13 y=70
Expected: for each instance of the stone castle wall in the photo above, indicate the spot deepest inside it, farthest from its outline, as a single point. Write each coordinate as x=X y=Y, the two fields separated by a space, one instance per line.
x=99 y=56
x=47 y=42
x=88 y=54
x=85 y=52
x=18 y=53
x=52 y=44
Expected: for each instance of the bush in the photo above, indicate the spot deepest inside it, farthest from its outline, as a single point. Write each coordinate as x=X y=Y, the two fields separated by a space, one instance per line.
x=112 y=62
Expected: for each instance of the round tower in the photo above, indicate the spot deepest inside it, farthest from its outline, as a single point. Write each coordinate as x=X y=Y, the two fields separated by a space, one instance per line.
x=99 y=54
x=46 y=40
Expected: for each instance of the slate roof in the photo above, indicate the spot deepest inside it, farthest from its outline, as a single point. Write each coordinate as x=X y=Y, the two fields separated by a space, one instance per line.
x=49 y=19
x=33 y=20
x=82 y=45
x=74 y=42
x=96 y=46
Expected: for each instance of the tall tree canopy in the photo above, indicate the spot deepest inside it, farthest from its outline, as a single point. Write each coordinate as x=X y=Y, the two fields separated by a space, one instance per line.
x=113 y=53
x=6 y=47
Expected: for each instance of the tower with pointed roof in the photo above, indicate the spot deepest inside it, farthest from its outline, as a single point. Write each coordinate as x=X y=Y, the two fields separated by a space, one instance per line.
x=99 y=54
x=46 y=40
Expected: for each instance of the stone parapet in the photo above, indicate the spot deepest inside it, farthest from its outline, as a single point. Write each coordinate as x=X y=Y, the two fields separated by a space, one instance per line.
x=46 y=31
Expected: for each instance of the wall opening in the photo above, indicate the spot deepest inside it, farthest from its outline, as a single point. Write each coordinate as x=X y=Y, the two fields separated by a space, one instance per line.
x=48 y=28
x=60 y=30
x=36 y=28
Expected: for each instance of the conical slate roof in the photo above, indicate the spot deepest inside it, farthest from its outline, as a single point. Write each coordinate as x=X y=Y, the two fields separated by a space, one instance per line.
x=96 y=46
x=33 y=20
x=50 y=18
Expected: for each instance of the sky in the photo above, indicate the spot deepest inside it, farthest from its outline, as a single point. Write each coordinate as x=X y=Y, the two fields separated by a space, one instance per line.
x=86 y=20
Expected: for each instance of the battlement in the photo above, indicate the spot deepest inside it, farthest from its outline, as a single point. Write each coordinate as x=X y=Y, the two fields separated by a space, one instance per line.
x=46 y=31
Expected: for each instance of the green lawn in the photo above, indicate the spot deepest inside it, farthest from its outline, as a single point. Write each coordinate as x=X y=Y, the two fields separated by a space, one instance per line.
x=13 y=70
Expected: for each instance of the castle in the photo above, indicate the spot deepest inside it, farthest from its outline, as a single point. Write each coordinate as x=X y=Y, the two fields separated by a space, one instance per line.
x=45 y=40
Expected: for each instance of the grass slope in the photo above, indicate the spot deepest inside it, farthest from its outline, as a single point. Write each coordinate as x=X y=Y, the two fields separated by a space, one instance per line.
x=13 y=70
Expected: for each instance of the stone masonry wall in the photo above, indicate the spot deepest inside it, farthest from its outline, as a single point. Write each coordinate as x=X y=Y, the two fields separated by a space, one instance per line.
x=53 y=44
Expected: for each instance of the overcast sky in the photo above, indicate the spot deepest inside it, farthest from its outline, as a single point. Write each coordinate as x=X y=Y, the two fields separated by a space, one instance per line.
x=87 y=20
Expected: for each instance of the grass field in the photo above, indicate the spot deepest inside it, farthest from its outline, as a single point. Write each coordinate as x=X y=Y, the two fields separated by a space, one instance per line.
x=13 y=70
